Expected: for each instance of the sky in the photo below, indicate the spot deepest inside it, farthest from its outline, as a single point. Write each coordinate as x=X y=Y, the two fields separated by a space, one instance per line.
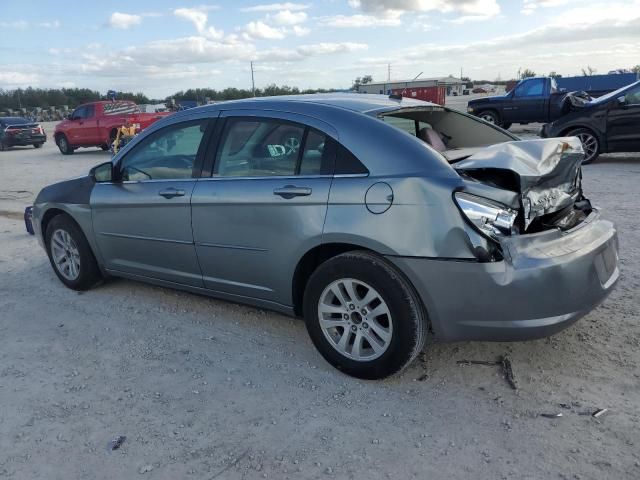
x=161 y=46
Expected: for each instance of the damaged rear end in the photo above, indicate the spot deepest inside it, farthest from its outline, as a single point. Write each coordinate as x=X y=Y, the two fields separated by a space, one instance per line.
x=539 y=180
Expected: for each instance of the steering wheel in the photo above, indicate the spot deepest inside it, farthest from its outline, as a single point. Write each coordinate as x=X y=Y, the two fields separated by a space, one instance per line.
x=291 y=145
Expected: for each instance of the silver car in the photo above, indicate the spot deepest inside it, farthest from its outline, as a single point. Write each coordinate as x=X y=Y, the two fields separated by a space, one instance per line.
x=377 y=219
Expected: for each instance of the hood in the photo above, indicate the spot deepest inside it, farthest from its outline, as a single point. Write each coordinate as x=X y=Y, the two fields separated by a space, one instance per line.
x=494 y=98
x=545 y=173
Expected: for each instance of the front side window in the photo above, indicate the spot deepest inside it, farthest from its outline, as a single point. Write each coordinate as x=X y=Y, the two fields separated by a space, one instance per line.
x=531 y=88
x=79 y=113
x=167 y=154
x=270 y=147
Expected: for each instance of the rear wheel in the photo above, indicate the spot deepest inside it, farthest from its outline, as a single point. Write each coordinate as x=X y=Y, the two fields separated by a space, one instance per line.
x=363 y=316
x=104 y=147
x=70 y=254
x=63 y=145
x=37 y=145
x=3 y=146
x=590 y=144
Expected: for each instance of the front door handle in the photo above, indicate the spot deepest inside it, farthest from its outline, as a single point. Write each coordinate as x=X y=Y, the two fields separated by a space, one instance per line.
x=290 y=191
x=171 y=193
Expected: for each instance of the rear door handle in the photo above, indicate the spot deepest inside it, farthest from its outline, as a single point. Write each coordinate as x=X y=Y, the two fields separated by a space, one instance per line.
x=290 y=191
x=171 y=193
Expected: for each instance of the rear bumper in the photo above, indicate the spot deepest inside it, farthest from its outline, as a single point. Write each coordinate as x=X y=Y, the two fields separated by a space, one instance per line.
x=12 y=141
x=546 y=282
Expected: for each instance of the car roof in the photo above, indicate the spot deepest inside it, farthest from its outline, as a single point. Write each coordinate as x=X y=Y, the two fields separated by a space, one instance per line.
x=14 y=120
x=357 y=102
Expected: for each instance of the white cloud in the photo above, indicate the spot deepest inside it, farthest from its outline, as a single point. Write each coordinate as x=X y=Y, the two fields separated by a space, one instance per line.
x=530 y=6
x=23 y=24
x=387 y=19
x=19 y=24
x=287 y=17
x=300 y=31
x=199 y=17
x=18 y=79
x=326 y=48
x=467 y=7
x=261 y=30
x=273 y=7
x=306 y=51
x=124 y=21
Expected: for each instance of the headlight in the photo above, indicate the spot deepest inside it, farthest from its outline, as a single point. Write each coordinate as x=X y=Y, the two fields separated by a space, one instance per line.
x=490 y=218
x=470 y=109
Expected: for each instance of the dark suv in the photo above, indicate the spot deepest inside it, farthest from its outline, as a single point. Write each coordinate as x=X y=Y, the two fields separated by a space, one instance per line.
x=20 y=131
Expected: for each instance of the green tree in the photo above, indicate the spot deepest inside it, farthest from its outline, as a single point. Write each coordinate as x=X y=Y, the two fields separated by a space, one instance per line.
x=527 y=73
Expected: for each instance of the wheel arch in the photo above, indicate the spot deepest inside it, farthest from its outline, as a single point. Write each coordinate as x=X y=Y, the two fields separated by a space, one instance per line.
x=311 y=260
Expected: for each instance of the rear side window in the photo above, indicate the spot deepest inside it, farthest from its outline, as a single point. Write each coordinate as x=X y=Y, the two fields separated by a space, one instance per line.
x=347 y=163
x=272 y=148
x=168 y=154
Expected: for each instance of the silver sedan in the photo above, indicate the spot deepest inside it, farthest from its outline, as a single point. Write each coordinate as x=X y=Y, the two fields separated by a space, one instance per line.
x=379 y=220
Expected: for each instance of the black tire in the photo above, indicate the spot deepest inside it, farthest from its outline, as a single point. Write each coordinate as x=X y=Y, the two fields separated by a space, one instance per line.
x=590 y=144
x=63 y=145
x=88 y=271
x=104 y=147
x=3 y=147
x=37 y=145
x=490 y=116
x=506 y=126
x=408 y=317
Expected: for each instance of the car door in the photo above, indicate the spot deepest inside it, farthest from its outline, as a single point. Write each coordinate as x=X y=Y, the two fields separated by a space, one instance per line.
x=142 y=220
x=528 y=103
x=623 y=122
x=75 y=130
x=264 y=205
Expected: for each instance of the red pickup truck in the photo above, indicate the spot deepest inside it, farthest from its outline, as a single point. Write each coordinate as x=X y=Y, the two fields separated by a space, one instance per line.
x=96 y=124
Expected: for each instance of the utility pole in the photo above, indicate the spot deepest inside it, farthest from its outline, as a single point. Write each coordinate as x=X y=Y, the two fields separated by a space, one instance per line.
x=253 y=83
x=460 y=73
x=388 y=72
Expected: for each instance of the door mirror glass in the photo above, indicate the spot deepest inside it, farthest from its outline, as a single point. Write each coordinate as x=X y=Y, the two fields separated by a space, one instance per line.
x=102 y=173
x=621 y=100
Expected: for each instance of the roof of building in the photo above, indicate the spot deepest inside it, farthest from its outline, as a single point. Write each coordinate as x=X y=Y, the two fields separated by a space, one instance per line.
x=444 y=80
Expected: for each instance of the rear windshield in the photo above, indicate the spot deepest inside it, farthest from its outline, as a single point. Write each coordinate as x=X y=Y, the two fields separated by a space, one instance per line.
x=445 y=130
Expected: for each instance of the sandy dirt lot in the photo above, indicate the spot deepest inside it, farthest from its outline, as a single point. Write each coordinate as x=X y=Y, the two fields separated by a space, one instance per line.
x=207 y=389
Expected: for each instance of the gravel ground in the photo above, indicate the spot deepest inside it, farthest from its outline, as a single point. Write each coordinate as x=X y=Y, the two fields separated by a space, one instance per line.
x=208 y=389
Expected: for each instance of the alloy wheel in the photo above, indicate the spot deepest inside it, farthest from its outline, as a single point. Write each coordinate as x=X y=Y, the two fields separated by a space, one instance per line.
x=589 y=145
x=65 y=253
x=355 y=319
x=488 y=118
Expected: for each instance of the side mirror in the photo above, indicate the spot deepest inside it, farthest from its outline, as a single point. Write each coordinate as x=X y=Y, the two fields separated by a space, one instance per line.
x=102 y=173
x=622 y=100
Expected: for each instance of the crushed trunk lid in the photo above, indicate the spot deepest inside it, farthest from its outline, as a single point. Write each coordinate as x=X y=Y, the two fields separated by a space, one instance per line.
x=545 y=173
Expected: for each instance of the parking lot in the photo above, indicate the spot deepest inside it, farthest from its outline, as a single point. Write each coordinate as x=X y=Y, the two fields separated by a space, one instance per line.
x=207 y=389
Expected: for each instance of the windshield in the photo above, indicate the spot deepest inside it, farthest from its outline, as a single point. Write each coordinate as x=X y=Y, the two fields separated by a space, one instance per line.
x=615 y=93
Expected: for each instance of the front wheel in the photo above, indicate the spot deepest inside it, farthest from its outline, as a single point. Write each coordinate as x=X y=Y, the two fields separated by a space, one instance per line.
x=70 y=254
x=63 y=145
x=363 y=316
x=37 y=145
x=489 y=117
x=590 y=144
